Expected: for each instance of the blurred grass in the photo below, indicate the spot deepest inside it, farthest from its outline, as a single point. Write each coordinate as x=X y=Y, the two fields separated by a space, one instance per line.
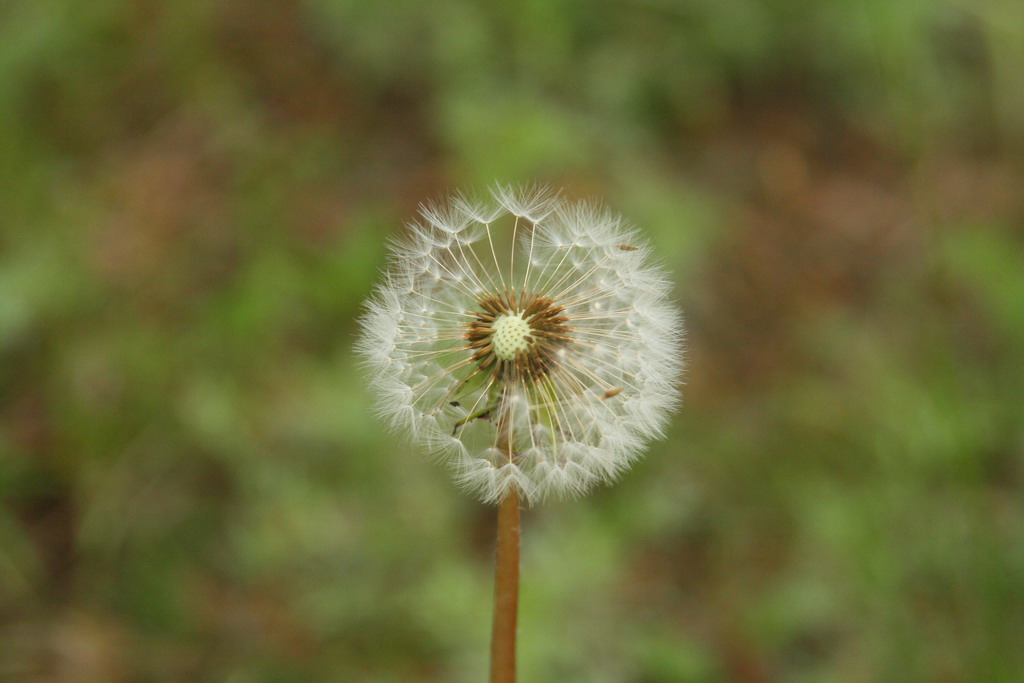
x=195 y=199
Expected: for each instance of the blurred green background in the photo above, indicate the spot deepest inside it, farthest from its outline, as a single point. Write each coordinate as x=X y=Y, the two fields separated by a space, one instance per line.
x=194 y=201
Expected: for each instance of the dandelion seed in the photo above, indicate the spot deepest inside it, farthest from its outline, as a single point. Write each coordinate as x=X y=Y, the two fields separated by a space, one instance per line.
x=527 y=340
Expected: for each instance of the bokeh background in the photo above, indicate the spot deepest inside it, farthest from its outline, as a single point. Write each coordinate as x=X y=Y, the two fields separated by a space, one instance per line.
x=195 y=199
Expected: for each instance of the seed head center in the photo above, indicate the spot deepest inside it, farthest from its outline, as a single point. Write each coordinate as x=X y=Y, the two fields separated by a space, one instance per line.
x=517 y=337
x=510 y=336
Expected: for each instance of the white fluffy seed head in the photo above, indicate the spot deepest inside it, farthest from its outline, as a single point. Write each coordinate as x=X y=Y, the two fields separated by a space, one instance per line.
x=528 y=341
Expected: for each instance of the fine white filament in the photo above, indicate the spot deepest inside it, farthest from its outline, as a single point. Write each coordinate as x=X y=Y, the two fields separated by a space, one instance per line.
x=605 y=391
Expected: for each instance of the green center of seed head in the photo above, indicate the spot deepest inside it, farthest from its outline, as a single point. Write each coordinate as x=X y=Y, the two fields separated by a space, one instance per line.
x=510 y=336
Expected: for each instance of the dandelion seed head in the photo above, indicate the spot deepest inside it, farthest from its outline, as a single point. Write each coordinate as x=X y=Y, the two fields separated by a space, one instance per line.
x=527 y=341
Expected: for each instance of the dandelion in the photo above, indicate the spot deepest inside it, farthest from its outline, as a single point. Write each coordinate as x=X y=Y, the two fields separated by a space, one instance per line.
x=527 y=341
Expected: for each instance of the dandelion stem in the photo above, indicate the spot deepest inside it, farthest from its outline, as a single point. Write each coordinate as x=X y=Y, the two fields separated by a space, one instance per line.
x=506 y=591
